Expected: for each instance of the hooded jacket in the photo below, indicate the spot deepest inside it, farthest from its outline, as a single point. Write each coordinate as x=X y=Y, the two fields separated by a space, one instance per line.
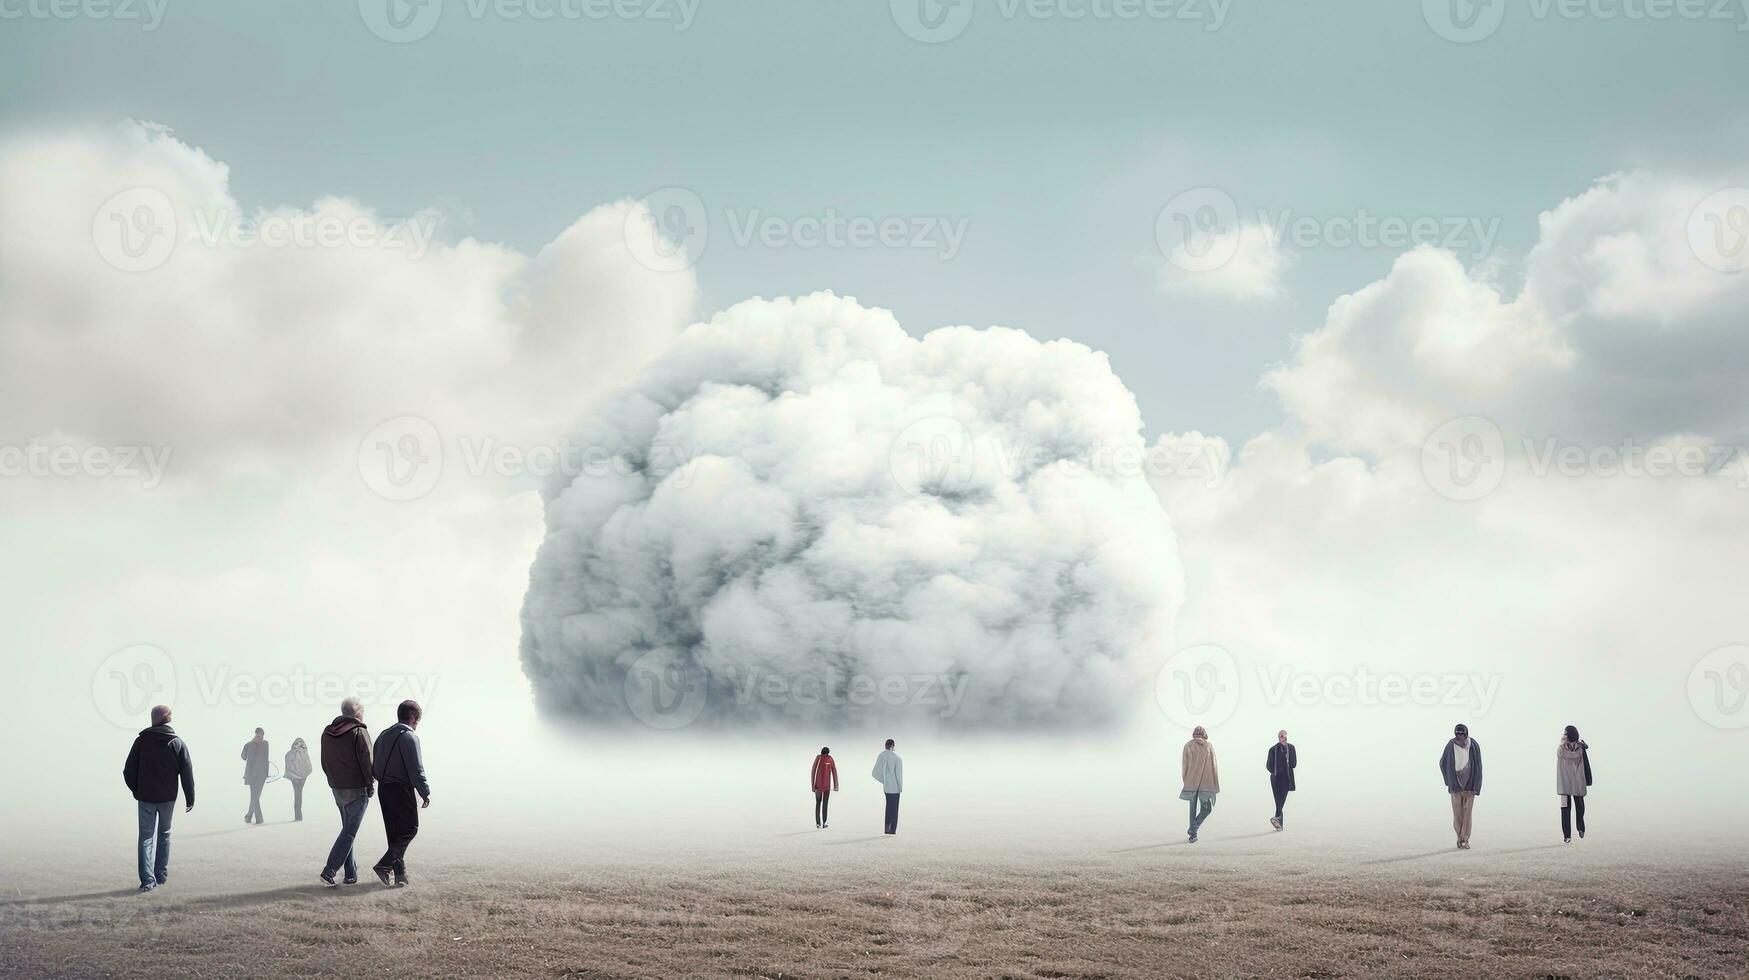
x=297 y=762
x=824 y=777
x=156 y=763
x=1470 y=780
x=346 y=754
x=1572 y=768
x=1200 y=774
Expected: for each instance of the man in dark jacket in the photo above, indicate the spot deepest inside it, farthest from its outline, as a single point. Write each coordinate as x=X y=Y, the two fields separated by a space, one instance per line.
x=254 y=756
x=346 y=763
x=1460 y=765
x=1280 y=763
x=399 y=768
x=156 y=764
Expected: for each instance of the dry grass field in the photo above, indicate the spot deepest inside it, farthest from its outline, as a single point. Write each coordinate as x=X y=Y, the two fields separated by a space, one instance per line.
x=846 y=903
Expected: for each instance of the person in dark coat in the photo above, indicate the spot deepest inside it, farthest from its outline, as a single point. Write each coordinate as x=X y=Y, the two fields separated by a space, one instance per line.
x=156 y=764
x=1460 y=765
x=255 y=756
x=399 y=767
x=346 y=763
x=1281 y=762
x=823 y=777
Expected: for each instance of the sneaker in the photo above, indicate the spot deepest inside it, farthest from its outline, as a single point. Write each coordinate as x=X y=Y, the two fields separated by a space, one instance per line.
x=148 y=886
x=400 y=881
x=1581 y=835
x=1566 y=840
x=1192 y=838
x=1275 y=822
x=384 y=875
x=824 y=826
x=163 y=879
x=327 y=878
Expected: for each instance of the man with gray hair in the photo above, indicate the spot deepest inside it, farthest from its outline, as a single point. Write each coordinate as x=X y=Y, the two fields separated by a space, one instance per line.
x=346 y=763
x=155 y=765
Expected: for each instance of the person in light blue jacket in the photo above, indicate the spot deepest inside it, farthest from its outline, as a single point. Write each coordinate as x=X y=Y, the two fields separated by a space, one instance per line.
x=889 y=771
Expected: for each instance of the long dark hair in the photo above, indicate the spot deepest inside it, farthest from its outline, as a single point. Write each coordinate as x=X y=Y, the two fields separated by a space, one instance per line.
x=825 y=751
x=1572 y=735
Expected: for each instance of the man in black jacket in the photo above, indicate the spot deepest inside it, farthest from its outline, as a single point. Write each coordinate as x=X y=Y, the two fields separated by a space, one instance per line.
x=399 y=767
x=1281 y=762
x=157 y=762
x=346 y=763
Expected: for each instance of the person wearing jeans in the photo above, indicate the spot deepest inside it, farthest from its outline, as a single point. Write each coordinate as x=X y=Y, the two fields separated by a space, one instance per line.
x=399 y=768
x=346 y=763
x=1460 y=765
x=1202 y=779
x=155 y=766
x=889 y=771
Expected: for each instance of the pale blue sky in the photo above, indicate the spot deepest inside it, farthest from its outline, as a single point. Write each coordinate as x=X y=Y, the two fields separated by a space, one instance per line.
x=1056 y=141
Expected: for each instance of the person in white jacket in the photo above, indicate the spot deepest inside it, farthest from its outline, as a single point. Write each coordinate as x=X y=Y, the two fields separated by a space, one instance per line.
x=889 y=770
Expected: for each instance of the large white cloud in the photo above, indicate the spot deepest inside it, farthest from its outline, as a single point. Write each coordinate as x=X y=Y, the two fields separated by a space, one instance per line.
x=1619 y=329
x=230 y=343
x=830 y=522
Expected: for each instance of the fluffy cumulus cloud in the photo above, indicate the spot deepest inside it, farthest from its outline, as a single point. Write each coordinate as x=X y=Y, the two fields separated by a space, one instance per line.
x=143 y=304
x=1585 y=568
x=803 y=515
x=1621 y=327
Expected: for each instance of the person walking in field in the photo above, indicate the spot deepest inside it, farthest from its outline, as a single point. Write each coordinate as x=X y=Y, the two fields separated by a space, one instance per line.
x=254 y=756
x=346 y=763
x=1202 y=780
x=1280 y=763
x=297 y=769
x=1460 y=765
x=400 y=773
x=889 y=771
x=1572 y=778
x=156 y=764
x=824 y=779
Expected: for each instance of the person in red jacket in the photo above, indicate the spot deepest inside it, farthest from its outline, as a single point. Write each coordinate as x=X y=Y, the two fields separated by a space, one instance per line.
x=824 y=779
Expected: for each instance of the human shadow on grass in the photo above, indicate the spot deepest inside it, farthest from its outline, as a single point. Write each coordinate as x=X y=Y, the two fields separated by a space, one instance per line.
x=235 y=830
x=860 y=840
x=1151 y=847
x=87 y=896
x=798 y=833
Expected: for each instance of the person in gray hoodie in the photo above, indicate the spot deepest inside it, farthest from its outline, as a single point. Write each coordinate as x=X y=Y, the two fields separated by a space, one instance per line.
x=1460 y=765
x=399 y=768
x=156 y=764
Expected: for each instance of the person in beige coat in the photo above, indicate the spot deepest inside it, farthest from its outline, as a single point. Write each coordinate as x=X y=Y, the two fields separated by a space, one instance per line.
x=1201 y=778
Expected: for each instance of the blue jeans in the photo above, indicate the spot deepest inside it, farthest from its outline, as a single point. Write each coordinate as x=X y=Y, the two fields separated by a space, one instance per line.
x=155 y=841
x=352 y=804
x=1208 y=803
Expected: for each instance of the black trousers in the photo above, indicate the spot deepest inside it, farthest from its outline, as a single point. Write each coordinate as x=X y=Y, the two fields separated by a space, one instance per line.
x=892 y=813
x=821 y=801
x=400 y=806
x=1280 y=798
x=1574 y=809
